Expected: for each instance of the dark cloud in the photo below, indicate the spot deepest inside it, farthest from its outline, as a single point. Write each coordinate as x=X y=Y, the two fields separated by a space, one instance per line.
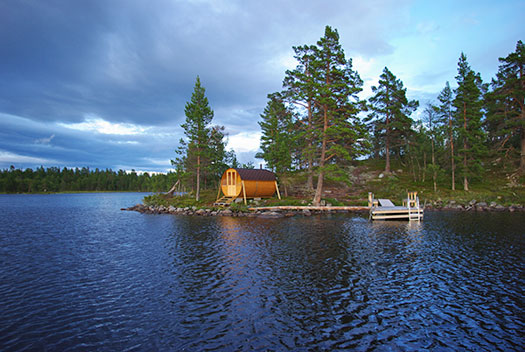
x=131 y=61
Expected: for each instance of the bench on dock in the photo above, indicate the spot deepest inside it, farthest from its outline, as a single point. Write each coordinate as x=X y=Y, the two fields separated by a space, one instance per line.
x=384 y=209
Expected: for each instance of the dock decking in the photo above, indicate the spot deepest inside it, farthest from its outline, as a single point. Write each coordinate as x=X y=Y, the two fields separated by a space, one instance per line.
x=384 y=209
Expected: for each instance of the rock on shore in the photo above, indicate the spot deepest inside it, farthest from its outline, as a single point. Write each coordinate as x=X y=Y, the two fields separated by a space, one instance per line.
x=473 y=205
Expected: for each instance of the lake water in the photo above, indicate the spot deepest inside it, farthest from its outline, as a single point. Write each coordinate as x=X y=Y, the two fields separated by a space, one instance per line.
x=78 y=274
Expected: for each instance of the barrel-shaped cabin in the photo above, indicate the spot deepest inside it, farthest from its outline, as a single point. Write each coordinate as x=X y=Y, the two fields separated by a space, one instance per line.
x=248 y=183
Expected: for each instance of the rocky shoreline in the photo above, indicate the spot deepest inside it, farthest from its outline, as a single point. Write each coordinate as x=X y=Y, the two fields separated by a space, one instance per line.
x=274 y=213
x=474 y=205
x=279 y=213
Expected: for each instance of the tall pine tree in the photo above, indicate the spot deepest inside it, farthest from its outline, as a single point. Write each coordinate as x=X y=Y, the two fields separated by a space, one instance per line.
x=338 y=131
x=468 y=106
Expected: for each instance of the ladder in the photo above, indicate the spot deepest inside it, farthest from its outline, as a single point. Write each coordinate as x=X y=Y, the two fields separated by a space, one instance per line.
x=414 y=212
x=224 y=201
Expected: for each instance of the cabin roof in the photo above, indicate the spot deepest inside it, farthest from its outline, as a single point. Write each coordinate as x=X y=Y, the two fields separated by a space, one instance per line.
x=256 y=174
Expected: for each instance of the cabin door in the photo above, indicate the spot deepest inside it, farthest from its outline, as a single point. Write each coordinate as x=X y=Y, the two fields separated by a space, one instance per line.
x=232 y=187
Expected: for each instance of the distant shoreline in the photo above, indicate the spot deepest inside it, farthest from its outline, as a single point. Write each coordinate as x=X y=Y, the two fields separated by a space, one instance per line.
x=76 y=192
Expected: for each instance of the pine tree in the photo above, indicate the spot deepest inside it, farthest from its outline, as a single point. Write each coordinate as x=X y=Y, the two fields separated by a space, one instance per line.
x=445 y=119
x=338 y=131
x=391 y=110
x=468 y=106
x=194 y=151
x=506 y=115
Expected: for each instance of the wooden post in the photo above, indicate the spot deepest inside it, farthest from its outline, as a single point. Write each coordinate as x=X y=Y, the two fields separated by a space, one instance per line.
x=277 y=188
x=219 y=192
x=244 y=192
x=370 y=199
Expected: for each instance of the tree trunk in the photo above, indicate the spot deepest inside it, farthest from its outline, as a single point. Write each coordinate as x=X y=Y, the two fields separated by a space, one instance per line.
x=465 y=179
x=434 y=166
x=424 y=166
x=522 y=159
x=174 y=188
x=198 y=190
x=319 y=188
x=452 y=153
x=310 y=180
x=387 y=147
x=419 y=177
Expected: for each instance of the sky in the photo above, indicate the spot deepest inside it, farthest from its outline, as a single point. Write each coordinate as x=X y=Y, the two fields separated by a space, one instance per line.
x=103 y=84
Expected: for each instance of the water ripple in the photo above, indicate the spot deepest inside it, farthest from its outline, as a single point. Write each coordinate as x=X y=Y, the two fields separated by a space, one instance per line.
x=81 y=275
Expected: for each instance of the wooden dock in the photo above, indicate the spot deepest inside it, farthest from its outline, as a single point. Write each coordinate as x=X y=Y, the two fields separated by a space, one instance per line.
x=311 y=208
x=384 y=209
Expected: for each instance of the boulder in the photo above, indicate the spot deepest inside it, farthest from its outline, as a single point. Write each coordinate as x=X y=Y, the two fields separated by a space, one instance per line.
x=226 y=212
x=307 y=212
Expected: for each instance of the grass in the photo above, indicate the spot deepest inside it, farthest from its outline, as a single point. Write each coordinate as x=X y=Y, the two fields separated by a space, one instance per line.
x=493 y=186
x=206 y=200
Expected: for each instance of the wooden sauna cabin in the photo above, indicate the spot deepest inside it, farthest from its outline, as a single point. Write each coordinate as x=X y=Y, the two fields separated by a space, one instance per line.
x=246 y=183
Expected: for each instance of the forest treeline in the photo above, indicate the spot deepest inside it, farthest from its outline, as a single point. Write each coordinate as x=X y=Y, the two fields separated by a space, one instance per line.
x=54 y=179
x=318 y=126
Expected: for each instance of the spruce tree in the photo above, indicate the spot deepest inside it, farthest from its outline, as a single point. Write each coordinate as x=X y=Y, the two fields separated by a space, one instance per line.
x=468 y=106
x=278 y=137
x=431 y=120
x=445 y=118
x=391 y=110
x=195 y=150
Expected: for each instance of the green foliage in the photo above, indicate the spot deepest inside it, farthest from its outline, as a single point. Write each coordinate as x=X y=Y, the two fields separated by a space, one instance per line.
x=182 y=201
x=325 y=87
x=468 y=115
x=277 y=137
x=239 y=208
x=390 y=115
x=54 y=179
x=202 y=153
x=506 y=105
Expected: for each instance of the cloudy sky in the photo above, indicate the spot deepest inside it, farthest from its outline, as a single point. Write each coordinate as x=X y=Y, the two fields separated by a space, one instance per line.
x=103 y=83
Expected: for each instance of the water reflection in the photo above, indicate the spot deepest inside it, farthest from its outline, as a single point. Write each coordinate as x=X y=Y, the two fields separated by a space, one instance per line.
x=337 y=282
